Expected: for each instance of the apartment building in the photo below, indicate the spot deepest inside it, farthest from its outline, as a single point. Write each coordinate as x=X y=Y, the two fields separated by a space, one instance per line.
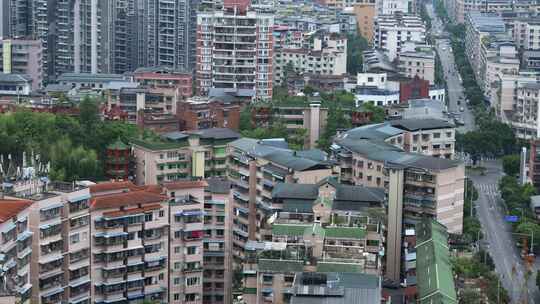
x=391 y=31
x=365 y=16
x=390 y=7
x=15 y=85
x=92 y=81
x=498 y=56
x=311 y=117
x=130 y=245
x=525 y=116
x=458 y=10
x=254 y=167
x=58 y=224
x=197 y=113
x=164 y=77
x=416 y=184
x=132 y=99
x=16 y=248
x=180 y=155
x=477 y=26
x=217 y=251
x=526 y=33
x=418 y=62
x=531 y=60
x=22 y=57
x=234 y=50
x=327 y=56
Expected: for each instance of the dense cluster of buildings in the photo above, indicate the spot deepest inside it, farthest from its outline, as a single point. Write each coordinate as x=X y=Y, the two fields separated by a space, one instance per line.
x=198 y=214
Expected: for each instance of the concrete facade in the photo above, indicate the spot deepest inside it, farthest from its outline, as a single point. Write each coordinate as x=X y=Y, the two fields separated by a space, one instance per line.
x=22 y=57
x=393 y=30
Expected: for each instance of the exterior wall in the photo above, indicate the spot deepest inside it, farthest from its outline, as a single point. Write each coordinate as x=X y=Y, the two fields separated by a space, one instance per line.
x=388 y=33
x=253 y=56
x=526 y=114
x=163 y=79
x=204 y=115
x=437 y=142
x=449 y=193
x=365 y=15
x=412 y=66
x=149 y=163
x=60 y=228
x=144 y=243
x=415 y=89
x=17 y=248
x=25 y=57
x=186 y=245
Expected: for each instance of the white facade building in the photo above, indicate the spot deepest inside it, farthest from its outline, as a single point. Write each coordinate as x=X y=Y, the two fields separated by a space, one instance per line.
x=391 y=31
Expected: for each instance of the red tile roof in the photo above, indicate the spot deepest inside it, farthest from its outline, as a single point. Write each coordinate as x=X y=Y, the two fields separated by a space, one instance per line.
x=118 y=200
x=10 y=208
x=111 y=186
x=185 y=185
x=132 y=211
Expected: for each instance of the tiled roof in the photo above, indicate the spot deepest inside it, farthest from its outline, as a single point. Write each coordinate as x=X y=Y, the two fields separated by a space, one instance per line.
x=177 y=185
x=111 y=186
x=126 y=199
x=10 y=208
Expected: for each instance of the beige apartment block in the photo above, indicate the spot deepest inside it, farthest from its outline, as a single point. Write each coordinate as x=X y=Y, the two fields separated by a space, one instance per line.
x=217 y=251
x=16 y=248
x=365 y=14
x=181 y=155
x=254 y=167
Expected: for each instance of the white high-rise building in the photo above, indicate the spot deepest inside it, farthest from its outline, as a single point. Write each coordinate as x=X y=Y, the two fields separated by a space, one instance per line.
x=392 y=31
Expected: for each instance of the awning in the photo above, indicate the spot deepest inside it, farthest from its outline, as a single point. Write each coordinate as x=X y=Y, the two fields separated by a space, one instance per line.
x=135 y=296
x=52 y=292
x=190 y=213
x=79 y=300
x=79 y=198
x=155 y=259
x=9 y=227
x=213 y=241
x=242 y=210
x=25 y=288
x=51 y=259
x=55 y=223
x=23 y=236
x=267 y=290
x=10 y=264
x=22 y=219
x=79 y=281
x=114 y=300
x=135 y=279
x=80 y=265
x=53 y=206
x=110 y=235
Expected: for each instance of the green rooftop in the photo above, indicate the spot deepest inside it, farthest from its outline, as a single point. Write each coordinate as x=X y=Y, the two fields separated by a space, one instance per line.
x=433 y=267
x=345 y=232
x=118 y=145
x=268 y=265
x=289 y=230
x=339 y=267
x=159 y=144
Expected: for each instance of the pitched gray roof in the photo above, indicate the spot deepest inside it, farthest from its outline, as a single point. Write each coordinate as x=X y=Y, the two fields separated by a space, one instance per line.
x=216 y=133
x=420 y=124
x=283 y=157
x=14 y=78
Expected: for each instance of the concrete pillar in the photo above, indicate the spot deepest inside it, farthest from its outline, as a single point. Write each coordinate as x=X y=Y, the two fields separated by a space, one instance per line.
x=395 y=214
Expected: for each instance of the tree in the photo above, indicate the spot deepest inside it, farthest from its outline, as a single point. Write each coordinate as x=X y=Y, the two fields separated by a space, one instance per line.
x=89 y=112
x=511 y=164
x=69 y=163
x=245 y=118
x=336 y=120
x=470 y=296
x=356 y=45
x=378 y=112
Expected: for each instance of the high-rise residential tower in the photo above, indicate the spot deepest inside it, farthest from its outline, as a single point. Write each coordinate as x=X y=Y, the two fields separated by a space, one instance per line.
x=234 y=50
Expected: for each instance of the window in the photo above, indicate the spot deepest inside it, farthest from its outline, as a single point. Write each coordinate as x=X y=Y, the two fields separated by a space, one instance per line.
x=161 y=213
x=192 y=281
x=369 y=178
x=448 y=134
x=176 y=296
x=161 y=276
x=74 y=238
x=176 y=281
x=148 y=217
x=192 y=250
x=190 y=297
x=177 y=265
x=436 y=135
x=177 y=249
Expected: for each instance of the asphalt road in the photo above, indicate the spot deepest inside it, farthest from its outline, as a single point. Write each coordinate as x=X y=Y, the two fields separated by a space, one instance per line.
x=498 y=238
x=451 y=75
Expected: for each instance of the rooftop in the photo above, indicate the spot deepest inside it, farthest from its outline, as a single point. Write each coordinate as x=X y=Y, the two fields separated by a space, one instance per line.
x=433 y=267
x=88 y=77
x=281 y=156
x=487 y=22
x=9 y=208
x=125 y=199
x=113 y=186
x=421 y=124
x=14 y=78
x=185 y=184
x=217 y=185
